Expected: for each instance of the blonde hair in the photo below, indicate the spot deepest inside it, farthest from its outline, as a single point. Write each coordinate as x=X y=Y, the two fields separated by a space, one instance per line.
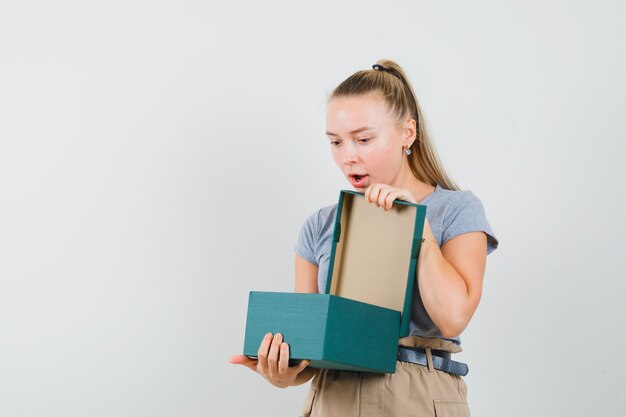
x=394 y=86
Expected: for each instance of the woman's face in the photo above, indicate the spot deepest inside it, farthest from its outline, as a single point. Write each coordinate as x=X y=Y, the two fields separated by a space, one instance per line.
x=365 y=140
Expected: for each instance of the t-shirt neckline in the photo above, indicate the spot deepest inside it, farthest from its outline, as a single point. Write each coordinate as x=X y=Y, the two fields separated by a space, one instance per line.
x=437 y=187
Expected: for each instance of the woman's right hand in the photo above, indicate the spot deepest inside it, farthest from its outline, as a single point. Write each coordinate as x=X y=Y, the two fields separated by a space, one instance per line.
x=273 y=362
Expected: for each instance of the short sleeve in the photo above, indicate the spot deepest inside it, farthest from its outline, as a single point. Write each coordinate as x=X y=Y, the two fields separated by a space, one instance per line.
x=468 y=215
x=305 y=246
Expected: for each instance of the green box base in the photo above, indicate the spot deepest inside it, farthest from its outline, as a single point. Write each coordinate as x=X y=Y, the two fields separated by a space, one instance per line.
x=333 y=332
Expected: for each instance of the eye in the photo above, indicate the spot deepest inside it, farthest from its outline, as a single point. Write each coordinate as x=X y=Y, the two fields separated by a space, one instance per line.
x=335 y=142
x=364 y=140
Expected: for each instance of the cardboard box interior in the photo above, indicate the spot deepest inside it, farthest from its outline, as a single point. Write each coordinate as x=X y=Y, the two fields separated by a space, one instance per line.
x=372 y=258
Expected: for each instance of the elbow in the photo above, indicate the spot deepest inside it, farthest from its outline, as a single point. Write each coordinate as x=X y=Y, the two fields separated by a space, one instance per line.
x=450 y=333
x=454 y=323
x=453 y=328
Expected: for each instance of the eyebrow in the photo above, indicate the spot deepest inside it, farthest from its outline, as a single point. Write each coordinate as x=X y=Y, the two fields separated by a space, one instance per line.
x=354 y=131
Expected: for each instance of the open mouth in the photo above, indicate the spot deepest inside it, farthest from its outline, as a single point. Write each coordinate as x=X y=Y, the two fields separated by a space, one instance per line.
x=359 y=181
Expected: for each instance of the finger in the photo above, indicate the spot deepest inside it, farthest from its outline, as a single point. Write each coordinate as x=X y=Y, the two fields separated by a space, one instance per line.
x=391 y=197
x=370 y=192
x=405 y=195
x=367 y=193
x=374 y=194
x=272 y=357
x=382 y=195
x=300 y=367
x=283 y=361
x=243 y=360
x=263 y=351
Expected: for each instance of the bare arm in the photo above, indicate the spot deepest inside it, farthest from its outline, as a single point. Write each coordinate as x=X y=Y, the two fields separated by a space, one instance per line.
x=450 y=279
x=306 y=276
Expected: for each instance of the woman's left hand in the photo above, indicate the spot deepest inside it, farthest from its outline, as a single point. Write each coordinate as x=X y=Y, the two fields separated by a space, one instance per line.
x=383 y=195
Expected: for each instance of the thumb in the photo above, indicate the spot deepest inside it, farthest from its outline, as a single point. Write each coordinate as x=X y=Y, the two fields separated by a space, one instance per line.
x=243 y=360
x=303 y=364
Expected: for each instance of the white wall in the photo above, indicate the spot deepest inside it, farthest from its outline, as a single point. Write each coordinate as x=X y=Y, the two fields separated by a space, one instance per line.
x=158 y=158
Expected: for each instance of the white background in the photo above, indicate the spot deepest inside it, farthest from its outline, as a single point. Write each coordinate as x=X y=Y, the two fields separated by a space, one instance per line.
x=157 y=160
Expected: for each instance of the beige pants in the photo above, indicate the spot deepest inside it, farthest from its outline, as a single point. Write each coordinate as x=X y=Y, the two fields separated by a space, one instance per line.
x=414 y=390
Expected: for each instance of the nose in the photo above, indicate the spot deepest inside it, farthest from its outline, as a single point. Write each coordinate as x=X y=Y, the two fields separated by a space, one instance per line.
x=349 y=156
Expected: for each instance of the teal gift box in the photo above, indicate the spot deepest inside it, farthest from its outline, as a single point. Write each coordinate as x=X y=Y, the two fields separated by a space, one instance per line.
x=355 y=325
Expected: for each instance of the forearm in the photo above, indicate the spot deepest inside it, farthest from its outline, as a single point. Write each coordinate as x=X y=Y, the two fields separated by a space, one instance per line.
x=443 y=291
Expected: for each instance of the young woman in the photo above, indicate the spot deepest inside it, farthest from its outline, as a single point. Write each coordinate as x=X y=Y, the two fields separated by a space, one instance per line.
x=379 y=141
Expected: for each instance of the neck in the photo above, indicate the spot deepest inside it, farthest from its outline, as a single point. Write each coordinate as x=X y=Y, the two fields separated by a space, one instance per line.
x=406 y=179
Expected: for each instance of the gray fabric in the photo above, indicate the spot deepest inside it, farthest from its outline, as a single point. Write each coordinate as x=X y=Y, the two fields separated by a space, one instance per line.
x=450 y=213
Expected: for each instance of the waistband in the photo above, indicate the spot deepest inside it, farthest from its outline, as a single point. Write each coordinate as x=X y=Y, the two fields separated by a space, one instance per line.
x=439 y=359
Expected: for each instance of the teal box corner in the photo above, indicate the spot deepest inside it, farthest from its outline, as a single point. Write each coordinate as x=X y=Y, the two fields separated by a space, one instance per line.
x=355 y=325
x=331 y=331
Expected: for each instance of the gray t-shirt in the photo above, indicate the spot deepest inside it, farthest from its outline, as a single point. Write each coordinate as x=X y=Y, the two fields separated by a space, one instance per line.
x=450 y=213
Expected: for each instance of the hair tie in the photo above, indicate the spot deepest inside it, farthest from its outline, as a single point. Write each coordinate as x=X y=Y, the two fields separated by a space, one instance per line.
x=381 y=68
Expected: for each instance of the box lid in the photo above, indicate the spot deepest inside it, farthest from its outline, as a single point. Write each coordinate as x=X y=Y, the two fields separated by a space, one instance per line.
x=374 y=253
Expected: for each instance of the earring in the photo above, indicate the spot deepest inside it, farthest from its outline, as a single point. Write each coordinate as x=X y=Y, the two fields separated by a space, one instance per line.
x=407 y=151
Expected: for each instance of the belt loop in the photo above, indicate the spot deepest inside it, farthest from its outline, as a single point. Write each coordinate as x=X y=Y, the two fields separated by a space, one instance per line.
x=429 y=359
x=316 y=379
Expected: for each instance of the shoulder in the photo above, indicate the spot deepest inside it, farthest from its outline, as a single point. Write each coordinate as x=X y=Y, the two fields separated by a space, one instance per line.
x=316 y=221
x=315 y=233
x=452 y=195
x=461 y=201
x=446 y=204
x=461 y=212
x=327 y=211
x=320 y=218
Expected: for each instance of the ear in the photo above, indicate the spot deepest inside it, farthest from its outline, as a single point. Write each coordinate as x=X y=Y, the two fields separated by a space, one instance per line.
x=409 y=132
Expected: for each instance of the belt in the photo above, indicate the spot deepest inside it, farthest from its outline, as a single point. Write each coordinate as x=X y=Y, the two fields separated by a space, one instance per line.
x=441 y=359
